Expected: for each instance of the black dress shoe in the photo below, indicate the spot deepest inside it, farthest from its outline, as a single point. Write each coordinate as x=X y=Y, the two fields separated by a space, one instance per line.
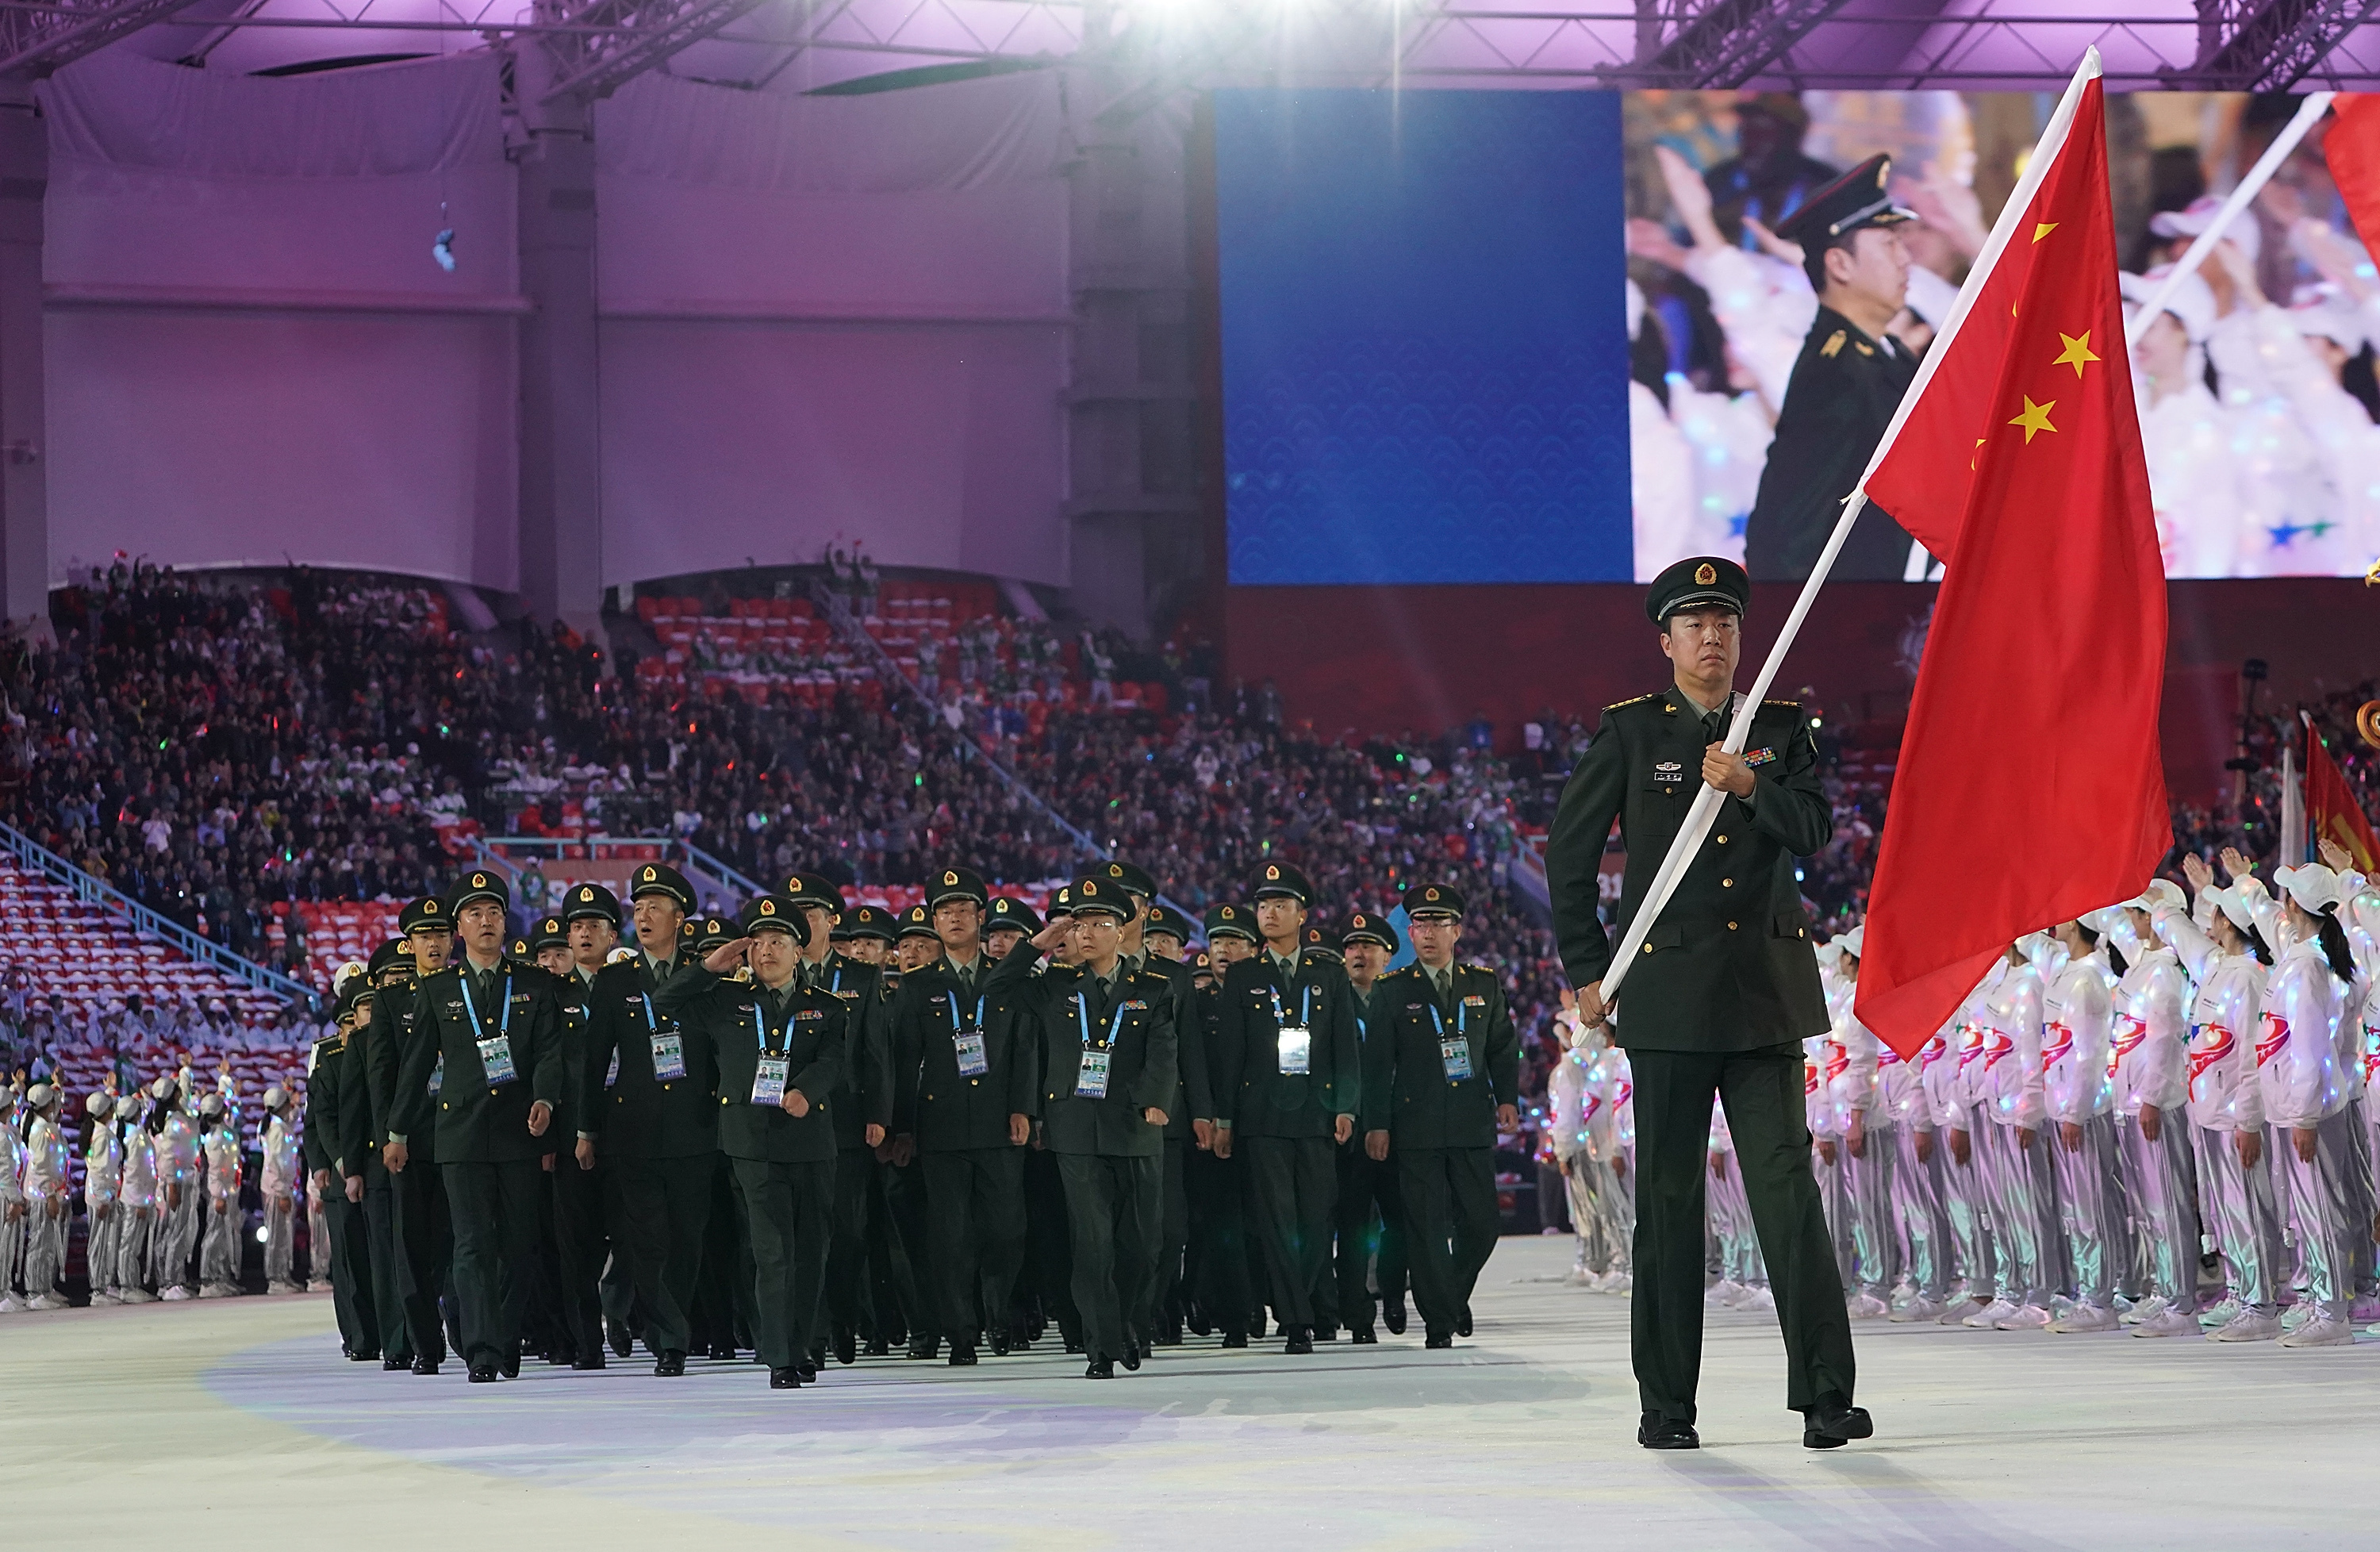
x=925 y=1347
x=1101 y=1368
x=1655 y=1432
x=722 y=1353
x=1325 y=1333
x=999 y=1342
x=483 y=1371
x=1835 y=1424
x=394 y=1365
x=1462 y=1322
x=1196 y=1318
x=807 y=1371
x=1256 y=1324
x=786 y=1378
x=1393 y=1317
x=1132 y=1356
x=510 y=1363
x=669 y=1365
x=962 y=1353
x=366 y=1355
x=1300 y=1342
x=588 y=1361
x=1438 y=1339
x=618 y=1334
x=878 y=1348
x=1363 y=1336
x=424 y=1364
x=846 y=1347
x=1235 y=1339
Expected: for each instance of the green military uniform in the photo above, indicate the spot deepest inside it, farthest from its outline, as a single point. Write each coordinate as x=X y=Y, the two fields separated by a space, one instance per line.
x=1723 y=990
x=1369 y=1216
x=407 y=1339
x=905 y=1216
x=1439 y=1058
x=471 y=1023
x=1222 y=1258
x=1285 y=1121
x=762 y=1045
x=1845 y=386
x=1105 y=1050
x=348 y=1255
x=579 y=1241
x=423 y=1227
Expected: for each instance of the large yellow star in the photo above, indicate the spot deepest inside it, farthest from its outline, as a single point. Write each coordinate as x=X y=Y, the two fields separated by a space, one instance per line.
x=2042 y=228
x=2078 y=351
x=2035 y=418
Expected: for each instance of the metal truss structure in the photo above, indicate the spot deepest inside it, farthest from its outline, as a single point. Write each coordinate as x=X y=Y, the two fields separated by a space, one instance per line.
x=34 y=41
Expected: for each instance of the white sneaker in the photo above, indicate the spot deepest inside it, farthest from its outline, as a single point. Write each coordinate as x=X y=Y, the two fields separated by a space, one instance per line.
x=1758 y=1298
x=214 y=1291
x=1990 y=1316
x=103 y=1297
x=2249 y=1325
x=45 y=1301
x=2296 y=1315
x=2147 y=1309
x=1867 y=1306
x=1622 y=1284
x=1964 y=1306
x=2364 y=1308
x=138 y=1296
x=2084 y=1317
x=2221 y=1313
x=11 y=1305
x=2025 y=1318
x=1920 y=1308
x=2121 y=1306
x=2321 y=1331
x=2167 y=1322
x=272 y=1288
x=1722 y=1295
x=2060 y=1307
x=174 y=1292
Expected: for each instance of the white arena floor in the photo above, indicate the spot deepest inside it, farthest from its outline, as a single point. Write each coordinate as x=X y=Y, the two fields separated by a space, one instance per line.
x=238 y=1424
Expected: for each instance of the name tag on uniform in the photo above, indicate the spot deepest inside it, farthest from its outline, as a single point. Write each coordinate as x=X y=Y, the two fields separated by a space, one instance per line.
x=1091 y=1077
x=669 y=1054
x=1669 y=771
x=1296 y=1047
x=1455 y=1055
x=496 y=1057
x=769 y=1081
x=437 y=1073
x=969 y=1045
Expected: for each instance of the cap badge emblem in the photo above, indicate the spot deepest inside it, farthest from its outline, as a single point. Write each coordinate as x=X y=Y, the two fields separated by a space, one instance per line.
x=1705 y=573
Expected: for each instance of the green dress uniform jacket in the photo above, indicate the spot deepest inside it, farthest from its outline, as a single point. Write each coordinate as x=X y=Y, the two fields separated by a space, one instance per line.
x=942 y=1107
x=581 y=1089
x=645 y=1116
x=1838 y=404
x=864 y=1094
x=1251 y=1094
x=382 y=1043
x=479 y=1121
x=732 y=1020
x=1134 y=1023
x=320 y=1142
x=1407 y=1092
x=1728 y=965
x=1196 y=1098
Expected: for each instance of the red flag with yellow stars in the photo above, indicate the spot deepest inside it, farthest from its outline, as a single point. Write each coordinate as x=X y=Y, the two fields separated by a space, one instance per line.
x=2350 y=148
x=2030 y=788
x=2332 y=813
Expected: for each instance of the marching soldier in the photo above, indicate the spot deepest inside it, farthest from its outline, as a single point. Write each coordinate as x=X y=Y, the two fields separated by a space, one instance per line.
x=1441 y=1078
x=778 y=1049
x=1230 y=1265
x=574 y=946
x=487 y=1030
x=1286 y=1068
x=1010 y=923
x=1365 y=1184
x=388 y=982
x=1165 y=933
x=659 y=1133
x=865 y=935
x=1724 y=988
x=1106 y=1056
x=348 y=1251
x=421 y=1227
x=1049 y=1269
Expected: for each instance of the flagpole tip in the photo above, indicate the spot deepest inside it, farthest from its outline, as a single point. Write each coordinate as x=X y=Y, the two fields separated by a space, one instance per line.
x=2091 y=63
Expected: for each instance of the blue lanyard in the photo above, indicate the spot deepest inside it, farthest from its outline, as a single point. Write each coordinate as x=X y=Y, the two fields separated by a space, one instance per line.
x=651 y=1024
x=505 y=1021
x=760 y=1027
x=956 y=1026
x=837 y=988
x=1461 y=1020
x=1304 y=1005
x=1083 y=1016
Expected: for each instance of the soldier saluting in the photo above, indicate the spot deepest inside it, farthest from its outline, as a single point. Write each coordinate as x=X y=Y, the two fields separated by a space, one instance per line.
x=1724 y=988
x=1846 y=384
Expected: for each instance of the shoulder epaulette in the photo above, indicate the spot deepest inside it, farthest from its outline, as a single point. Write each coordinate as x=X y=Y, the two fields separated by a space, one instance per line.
x=1639 y=700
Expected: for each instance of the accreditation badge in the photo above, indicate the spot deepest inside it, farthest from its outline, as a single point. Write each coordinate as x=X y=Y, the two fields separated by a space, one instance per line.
x=1455 y=1055
x=437 y=1073
x=496 y=1057
x=1091 y=1077
x=969 y=1045
x=768 y=1082
x=669 y=1054
x=1296 y=1049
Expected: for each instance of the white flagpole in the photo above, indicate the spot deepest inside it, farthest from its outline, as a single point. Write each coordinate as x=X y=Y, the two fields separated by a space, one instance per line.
x=2310 y=114
x=1705 y=811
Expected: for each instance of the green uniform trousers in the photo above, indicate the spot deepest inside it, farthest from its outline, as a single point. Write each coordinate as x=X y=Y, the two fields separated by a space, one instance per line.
x=1114 y=1215
x=974 y=1203
x=495 y=1212
x=788 y=1216
x=1450 y=1218
x=1761 y=1091
x=1295 y=1186
x=660 y=1210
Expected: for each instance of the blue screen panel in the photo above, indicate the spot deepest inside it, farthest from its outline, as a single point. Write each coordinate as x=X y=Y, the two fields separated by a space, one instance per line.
x=1425 y=352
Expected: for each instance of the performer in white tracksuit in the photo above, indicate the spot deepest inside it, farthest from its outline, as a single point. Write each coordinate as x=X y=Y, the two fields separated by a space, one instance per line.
x=1823 y=1060
x=103 y=1184
x=1905 y=1098
x=175 y=1135
x=1867 y=1158
x=2151 y=1056
x=219 y=1241
x=137 y=1204
x=1610 y=1124
x=2227 y=1111
x=2078 y=1038
x=1742 y=1275
x=280 y=1178
x=12 y=1197
x=49 y=1164
x=2313 y=992
x=2016 y=1162
x=1954 y=1089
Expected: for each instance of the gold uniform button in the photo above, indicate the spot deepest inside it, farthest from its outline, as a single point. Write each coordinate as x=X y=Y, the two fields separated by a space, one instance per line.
x=1648 y=948
x=972 y=1082
x=723 y=1101
x=1722 y=840
x=1727 y=883
x=1731 y=927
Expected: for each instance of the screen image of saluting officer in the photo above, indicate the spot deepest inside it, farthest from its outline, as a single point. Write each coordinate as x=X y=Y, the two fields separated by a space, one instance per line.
x=1725 y=989
x=1845 y=386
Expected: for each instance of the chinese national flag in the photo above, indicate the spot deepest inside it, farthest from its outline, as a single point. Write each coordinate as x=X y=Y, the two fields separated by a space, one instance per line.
x=2332 y=813
x=2350 y=148
x=2030 y=788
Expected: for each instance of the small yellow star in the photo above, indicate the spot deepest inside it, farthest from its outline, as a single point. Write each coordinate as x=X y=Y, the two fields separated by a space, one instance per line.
x=1974 y=457
x=2078 y=350
x=2042 y=228
x=2035 y=418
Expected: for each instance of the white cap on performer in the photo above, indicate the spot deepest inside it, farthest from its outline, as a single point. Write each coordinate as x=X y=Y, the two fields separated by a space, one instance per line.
x=2313 y=887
